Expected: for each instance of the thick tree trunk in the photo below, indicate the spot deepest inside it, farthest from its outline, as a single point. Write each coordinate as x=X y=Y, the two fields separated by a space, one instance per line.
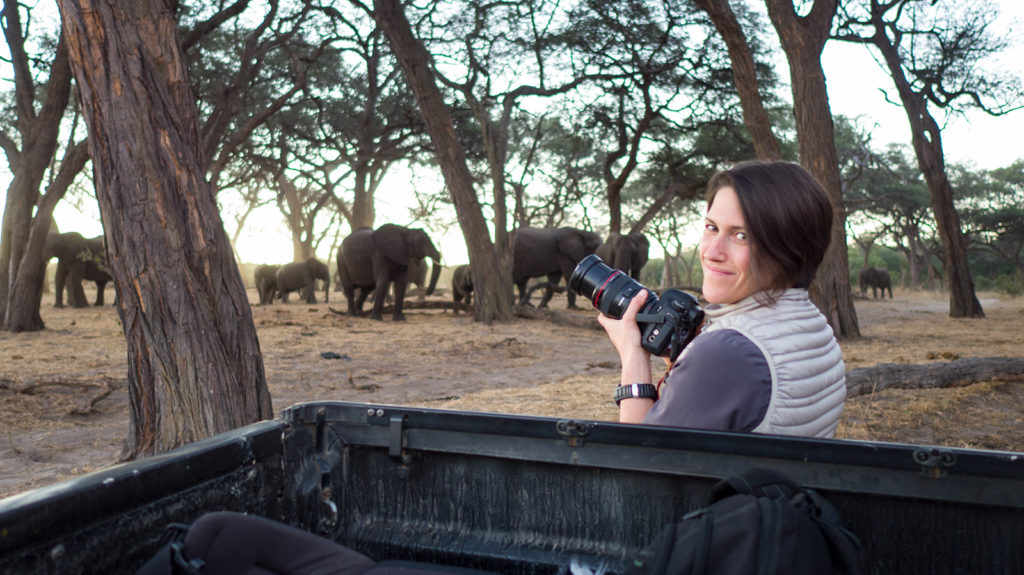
x=803 y=39
x=195 y=367
x=491 y=273
x=927 y=139
x=755 y=117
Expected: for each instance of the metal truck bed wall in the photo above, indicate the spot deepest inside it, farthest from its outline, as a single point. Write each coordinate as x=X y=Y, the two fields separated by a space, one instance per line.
x=512 y=494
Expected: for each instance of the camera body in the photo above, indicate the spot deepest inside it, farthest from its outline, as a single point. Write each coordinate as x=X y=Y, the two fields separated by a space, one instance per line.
x=667 y=323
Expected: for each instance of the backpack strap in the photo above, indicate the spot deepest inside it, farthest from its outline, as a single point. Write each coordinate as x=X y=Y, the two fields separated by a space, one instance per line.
x=759 y=482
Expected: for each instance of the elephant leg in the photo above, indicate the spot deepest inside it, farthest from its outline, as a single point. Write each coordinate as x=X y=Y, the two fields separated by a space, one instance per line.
x=549 y=291
x=524 y=295
x=400 y=287
x=349 y=292
x=99 y=292
x=60 y=280
x=311 y=290
x=380 y=294
x=76 y=292
x=364 y=293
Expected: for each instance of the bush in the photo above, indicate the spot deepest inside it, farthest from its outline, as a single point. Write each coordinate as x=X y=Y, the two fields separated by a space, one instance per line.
x=1010 y=284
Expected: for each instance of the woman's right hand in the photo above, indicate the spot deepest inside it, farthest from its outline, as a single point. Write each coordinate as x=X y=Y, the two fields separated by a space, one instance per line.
x=625 y=336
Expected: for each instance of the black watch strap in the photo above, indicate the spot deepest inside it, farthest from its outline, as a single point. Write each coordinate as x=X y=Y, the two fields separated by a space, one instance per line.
x=635 y=390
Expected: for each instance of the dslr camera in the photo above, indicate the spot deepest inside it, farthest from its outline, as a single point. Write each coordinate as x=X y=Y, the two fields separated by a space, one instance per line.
x=667 y=323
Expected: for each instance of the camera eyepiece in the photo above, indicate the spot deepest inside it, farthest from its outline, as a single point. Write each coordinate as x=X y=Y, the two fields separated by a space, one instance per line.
x=667 y=323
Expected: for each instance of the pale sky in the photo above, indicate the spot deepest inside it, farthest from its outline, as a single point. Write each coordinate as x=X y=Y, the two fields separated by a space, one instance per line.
x=854 y=83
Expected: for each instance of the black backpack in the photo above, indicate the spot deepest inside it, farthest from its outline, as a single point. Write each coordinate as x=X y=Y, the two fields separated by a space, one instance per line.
x=758 y=522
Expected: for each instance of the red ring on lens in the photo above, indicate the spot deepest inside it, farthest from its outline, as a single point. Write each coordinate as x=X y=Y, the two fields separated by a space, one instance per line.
x=597 y=293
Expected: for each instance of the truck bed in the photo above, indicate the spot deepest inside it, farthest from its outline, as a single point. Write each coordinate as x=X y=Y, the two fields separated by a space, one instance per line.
x=512 y=494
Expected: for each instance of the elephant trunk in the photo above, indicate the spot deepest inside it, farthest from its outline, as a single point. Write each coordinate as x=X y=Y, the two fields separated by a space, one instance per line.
x=435 y=272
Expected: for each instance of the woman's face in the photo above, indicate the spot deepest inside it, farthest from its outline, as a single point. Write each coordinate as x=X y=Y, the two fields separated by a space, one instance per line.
x=725 y=251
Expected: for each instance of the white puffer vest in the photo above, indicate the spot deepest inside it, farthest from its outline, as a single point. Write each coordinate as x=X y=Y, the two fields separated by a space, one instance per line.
x=806 y=364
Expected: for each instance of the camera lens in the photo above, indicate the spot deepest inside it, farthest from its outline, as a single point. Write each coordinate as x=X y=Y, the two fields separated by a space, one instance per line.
x=610 y=290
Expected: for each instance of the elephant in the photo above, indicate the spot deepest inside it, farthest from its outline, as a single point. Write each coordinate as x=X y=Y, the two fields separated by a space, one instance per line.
x=462 y=285
x=551 y=252
x=375 y=259
x=302 y=276
x=265 y=277
x=876 y=278
x=625 y=252
x=78 y=259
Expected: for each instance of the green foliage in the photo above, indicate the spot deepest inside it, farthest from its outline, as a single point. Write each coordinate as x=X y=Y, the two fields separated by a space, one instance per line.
x=1011 y=284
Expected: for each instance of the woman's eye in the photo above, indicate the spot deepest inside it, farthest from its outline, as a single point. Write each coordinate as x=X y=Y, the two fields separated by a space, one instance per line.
x=741 y=236
x=710 y=227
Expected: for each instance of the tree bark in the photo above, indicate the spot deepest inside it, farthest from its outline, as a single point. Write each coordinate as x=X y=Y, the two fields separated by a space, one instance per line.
x=803 y=38
x=491 y=285
x=194 y=361
x=755 y=117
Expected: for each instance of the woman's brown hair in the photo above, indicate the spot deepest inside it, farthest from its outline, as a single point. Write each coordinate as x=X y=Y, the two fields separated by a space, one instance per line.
x=788 y=219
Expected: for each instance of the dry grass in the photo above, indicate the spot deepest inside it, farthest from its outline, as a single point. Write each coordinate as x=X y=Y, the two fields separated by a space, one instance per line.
x=438 y=360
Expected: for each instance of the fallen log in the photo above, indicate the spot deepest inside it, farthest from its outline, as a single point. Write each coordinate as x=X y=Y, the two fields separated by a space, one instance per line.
x=413 y=305
x=956 y=373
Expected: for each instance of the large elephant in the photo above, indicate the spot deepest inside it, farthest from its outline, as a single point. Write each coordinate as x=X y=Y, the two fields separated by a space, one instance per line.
x=78 y=259
x=376 y=259
x=302 y=276
x=551 y=252
x=878 y=279
x=462 y=285
x=625 y=252
x=265 y=277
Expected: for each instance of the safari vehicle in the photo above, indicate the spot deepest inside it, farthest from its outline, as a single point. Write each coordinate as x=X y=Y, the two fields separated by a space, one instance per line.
x=512 y=494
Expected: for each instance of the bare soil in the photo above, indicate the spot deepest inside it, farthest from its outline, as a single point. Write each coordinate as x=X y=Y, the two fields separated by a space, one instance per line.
x=64 y=406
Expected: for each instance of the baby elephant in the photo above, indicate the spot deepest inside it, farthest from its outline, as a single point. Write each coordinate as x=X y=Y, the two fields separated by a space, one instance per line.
x=462 y=285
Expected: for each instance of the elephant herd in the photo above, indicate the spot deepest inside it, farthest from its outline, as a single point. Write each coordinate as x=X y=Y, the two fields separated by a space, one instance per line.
x=374 y=261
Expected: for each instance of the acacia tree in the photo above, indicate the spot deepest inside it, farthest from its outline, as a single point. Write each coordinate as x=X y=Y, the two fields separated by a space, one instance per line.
x=667 y=84
x=195 y=367
x=41 y=100
x=933 y=56
x=490 y=278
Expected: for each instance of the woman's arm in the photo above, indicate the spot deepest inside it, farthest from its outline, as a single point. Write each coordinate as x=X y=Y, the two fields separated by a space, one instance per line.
x=636 y=361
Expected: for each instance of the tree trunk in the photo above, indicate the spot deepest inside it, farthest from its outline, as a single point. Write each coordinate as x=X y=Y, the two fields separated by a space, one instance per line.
x=744 y=77
x=803 y=39
x=38 y=133
x=27 y=286
x=194 y=362
x=491 y=273
x=927 y=139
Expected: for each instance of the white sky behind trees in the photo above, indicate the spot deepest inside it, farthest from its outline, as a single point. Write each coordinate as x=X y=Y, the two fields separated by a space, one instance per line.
x=855 y=89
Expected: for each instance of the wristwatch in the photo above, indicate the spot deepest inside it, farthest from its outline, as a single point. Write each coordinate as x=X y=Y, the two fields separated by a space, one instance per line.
x=635 y=390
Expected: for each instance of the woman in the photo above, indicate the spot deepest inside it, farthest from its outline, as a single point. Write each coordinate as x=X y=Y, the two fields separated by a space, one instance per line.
x=766 y=360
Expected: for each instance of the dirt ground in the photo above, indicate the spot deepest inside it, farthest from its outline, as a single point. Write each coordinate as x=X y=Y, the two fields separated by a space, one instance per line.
x=64 y=406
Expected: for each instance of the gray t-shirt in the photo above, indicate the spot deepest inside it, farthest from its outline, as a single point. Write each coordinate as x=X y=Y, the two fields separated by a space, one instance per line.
x=723 y=383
